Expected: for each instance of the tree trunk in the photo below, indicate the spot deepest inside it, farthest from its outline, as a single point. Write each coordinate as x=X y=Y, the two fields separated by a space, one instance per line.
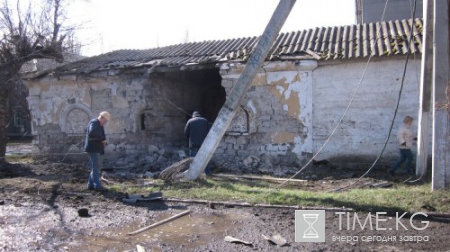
x=4 y=116
x=7 y=81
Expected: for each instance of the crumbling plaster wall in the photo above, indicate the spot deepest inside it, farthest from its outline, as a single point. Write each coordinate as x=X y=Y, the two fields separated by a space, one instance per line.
x=286 y=115
x=277 y=110
x=294 y=108
x=62 y=106
x=361 y=135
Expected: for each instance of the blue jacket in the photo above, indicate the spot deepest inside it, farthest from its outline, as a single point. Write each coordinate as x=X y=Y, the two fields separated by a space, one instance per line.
x=95 y=134
x=196 y=130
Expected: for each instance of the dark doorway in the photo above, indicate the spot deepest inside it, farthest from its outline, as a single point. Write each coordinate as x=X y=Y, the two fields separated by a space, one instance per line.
x=208 y=84
x=174 y=95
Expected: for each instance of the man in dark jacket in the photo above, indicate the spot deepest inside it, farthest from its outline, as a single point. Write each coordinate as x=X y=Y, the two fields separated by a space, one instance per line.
x=196 y=130
x=95 y=146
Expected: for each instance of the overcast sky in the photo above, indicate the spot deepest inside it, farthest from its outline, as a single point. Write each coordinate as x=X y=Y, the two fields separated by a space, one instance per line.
x=144 y=24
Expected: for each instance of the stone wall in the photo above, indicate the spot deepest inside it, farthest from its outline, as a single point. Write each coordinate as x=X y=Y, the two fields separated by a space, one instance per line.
x=293 y=109
x=271 y=131
x=146 y=130
x=61 y=108
x=369 y=110
x=284 y=119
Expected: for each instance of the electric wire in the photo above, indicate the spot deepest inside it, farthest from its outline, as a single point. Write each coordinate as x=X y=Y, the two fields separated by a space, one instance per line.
x=387 y=138
x=173 y=104
x=395 y=112
x=392 y=123
x=340 y=120
x=333 y=131
x=346 y=110
x=71 y=147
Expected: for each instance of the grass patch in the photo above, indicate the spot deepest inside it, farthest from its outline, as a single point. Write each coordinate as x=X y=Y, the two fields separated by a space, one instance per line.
x=15 y=158
x=18 y=157
x=399 y=198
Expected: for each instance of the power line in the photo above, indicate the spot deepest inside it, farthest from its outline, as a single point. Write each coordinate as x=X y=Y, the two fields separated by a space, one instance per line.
x=346 y=110
x=395 y=112
x=354 y=94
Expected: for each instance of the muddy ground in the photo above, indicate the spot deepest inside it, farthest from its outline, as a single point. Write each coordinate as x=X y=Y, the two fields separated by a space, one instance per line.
x=39 y=205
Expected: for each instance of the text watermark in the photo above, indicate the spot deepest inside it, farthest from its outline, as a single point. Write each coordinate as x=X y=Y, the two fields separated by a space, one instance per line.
x=310 y=226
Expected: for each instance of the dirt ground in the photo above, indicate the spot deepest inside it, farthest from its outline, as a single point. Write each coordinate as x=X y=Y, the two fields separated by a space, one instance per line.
x=39 y=205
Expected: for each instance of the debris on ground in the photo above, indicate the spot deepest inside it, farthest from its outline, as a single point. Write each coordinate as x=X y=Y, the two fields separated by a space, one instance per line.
x=153 y=175
x=381 y=184
x=50 y=194
x=139 y=197
x=172 y=171
x=236 y=240
x=276 y=239
x=83 y=212
x=253 y=177
x=251 y=161
x=428 y=207
x=140 y=248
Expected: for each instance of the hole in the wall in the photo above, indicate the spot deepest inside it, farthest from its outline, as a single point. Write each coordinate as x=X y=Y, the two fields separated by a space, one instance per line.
x=204 y=92
x=176 y=95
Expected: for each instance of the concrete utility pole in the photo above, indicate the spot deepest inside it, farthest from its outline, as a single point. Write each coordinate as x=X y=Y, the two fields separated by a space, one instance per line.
x=441 y=136
x=425 y=89
x=236 y=96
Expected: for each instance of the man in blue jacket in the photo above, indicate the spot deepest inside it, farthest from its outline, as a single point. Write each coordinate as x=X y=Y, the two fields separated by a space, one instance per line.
x=196 y=130
x=95 y=146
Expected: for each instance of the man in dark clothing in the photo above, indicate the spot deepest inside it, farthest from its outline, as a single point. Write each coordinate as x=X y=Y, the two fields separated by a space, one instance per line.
x=196 y=130
x=95 y=146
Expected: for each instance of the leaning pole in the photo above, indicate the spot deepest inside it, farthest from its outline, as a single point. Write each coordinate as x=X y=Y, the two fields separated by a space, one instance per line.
x=236 y=96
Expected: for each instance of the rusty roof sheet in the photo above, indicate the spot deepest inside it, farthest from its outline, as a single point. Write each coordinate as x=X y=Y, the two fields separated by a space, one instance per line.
x=325 y=43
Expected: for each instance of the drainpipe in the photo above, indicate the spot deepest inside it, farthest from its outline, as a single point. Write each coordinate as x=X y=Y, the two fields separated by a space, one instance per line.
x=235 y=98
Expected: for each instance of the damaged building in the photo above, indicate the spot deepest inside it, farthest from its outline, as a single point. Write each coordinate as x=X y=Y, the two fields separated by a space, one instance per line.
x=342 y=82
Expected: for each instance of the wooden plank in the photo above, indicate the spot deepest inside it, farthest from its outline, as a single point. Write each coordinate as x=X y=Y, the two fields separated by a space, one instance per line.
x=221 y=175
x=159 y=223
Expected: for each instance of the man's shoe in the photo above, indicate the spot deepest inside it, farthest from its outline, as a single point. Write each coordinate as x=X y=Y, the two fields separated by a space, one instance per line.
x=392 y=173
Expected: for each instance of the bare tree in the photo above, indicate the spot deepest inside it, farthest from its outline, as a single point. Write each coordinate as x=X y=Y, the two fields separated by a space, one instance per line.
x=28 y=31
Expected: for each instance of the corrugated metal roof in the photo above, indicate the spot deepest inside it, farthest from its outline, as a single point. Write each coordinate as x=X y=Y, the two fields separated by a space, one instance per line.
x=329 y=43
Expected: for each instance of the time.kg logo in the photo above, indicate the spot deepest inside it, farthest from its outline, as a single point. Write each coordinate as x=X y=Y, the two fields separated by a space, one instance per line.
x=309 y=225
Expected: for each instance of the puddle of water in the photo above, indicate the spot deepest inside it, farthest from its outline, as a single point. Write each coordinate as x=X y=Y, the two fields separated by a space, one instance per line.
x=189 y=231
